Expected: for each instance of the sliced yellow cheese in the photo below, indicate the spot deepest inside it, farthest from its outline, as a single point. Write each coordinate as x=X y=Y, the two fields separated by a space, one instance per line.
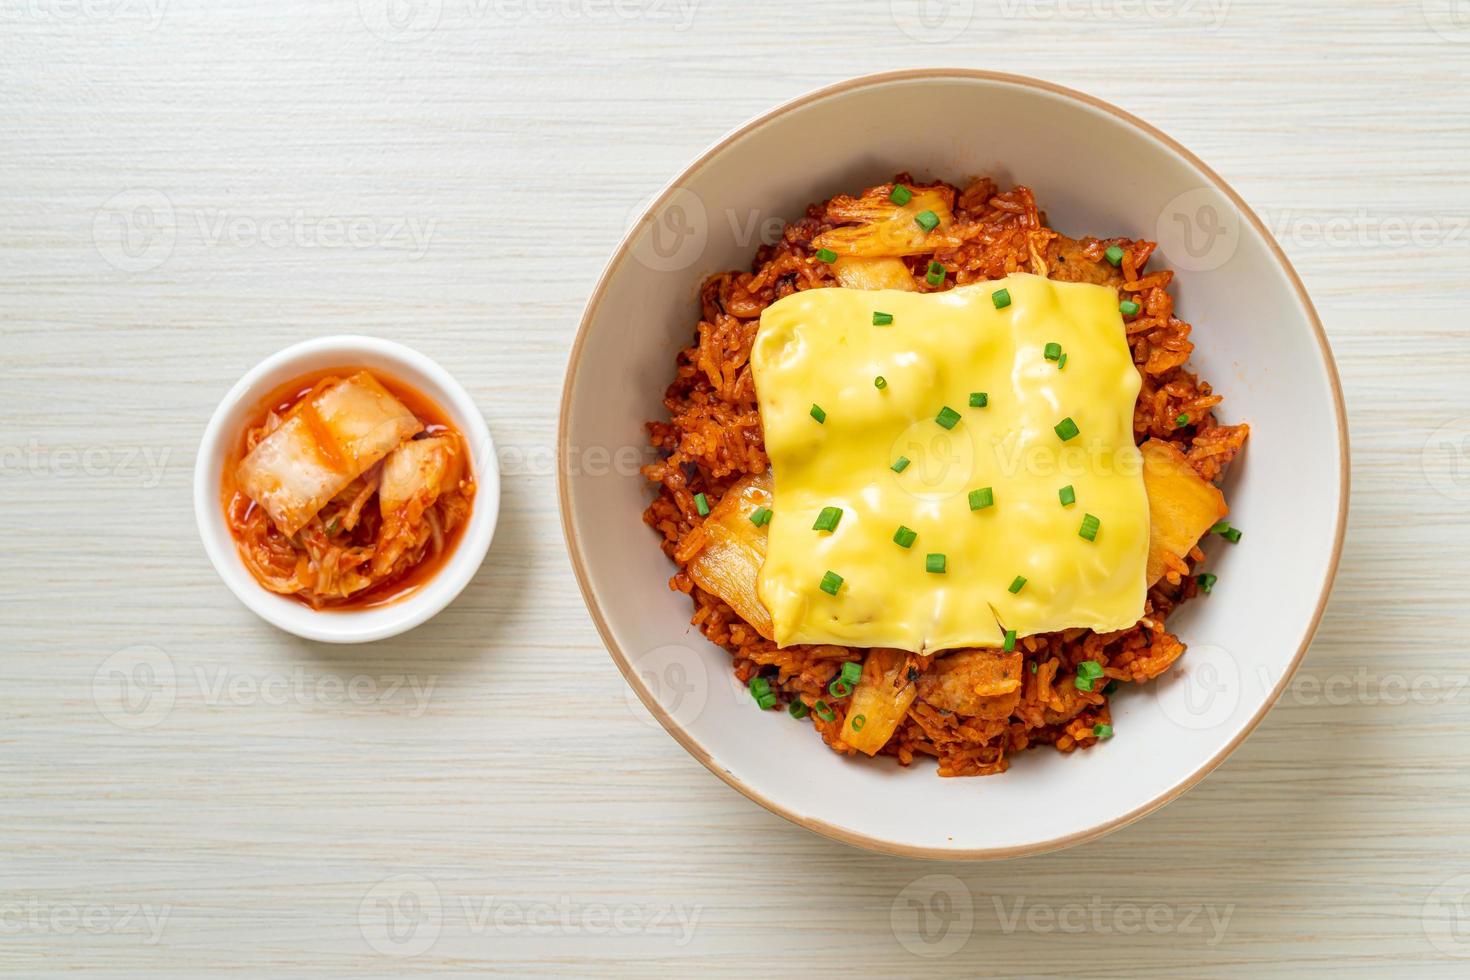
x=821 y=347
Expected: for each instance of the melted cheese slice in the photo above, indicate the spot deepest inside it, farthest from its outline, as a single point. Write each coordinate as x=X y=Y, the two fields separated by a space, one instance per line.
x=820 y=347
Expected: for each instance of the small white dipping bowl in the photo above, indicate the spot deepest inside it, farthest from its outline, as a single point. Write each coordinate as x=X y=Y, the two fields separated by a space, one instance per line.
x=1096 y=171
x=399 y=363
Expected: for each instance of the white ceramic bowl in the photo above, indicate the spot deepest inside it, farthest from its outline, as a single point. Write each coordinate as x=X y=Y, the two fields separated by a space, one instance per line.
x=1095 y=170
x=234 y=412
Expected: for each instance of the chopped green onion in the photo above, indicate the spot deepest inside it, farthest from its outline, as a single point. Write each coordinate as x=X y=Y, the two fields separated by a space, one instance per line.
x=818 y=413
x=979 y=399
x=880 y=382
x=759 y=687
x=767 y=702
x=824 y=710
x=1001 y=298
x=1066 y=429
x=935 y=275
x=1017 y=584
x=852 y=671
x=927 y=220
x=1011 y=641
x=1082 y=683
x=701 y=504
x=882 y=319
x=1129 y=308
x=1231 y=534
x=827 y=519
x=831 y=582
x=900 y=195
x=1206 y=582
x=1090 y=668
x=1089 y=528
x=839 y=688
x=947 y=417
x=1220 y=528
x=1067 y=495
x=798 y=709
x=1052 y=352
x=934 y=564
x=1062 y=361
x=858 y=721
x=761 y=516
x=826 y=255
x=1114 y=255
x=900 y=464
x=1033 y=666
x=1181 y=420
x=982 y=498
x=1102 y=731
x=904 y=537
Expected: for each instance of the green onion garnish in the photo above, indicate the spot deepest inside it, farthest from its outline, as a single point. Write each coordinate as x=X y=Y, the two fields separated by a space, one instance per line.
x=979 y=399
x=1017 y=584
x=1129 y=308
x=759 y=687
x=935 y=275
x=831 y=582
x=947 y=417
x=900 y=195
x=761 y=516
x=839 y=688
x=927 y=220
x=852 y=671
x=818 y=414
x=858 y=721
x=1082 y=683
x=1206 y=581
x=798 y=708
x=904 y=537
x=1067 y=495
x=824 y=710
x=1181 y=420
x=767 y=702
x=1001 y=298
x=1010 y=641
x=1052 y=352
x=982 y=498
x=1089 y=527
x=1231 y=534
x=1220 y=528
x=1066 y=429
x=882 y=319
x=900 y=464
x=827 y=519
x=1061 y=362
x=826 y=255
x=934 y=564
x=1033 y=666
x=880 y=382
x=1090 y=668
x=1102 y=731
x=701 y=504
x=1114 y=255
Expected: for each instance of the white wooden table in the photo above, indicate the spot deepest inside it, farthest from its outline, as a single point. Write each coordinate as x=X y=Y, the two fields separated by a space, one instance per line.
x=187 y=185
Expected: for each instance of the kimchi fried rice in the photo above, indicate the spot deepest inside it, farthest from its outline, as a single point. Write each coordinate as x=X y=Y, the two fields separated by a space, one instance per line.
x=713 y=438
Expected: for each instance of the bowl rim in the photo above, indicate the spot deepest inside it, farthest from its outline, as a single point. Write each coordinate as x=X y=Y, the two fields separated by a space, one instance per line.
x=461 y=566
x=619 y=657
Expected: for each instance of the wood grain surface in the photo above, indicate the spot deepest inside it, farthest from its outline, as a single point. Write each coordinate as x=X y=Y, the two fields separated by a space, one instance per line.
x=189 y=185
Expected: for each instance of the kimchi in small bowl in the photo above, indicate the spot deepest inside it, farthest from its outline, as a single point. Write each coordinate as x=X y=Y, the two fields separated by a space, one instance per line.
x=345 y=489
